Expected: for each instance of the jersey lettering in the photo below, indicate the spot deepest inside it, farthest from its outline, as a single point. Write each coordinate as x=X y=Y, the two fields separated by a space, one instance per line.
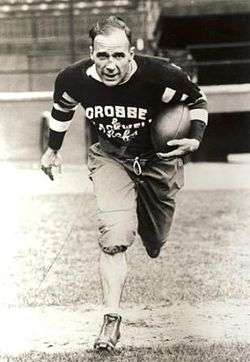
x=99 y=112
x=109 y=111
x=116 y=111
x=89 y=112
x=117 y=130
x=120 y=111
x=132 y=112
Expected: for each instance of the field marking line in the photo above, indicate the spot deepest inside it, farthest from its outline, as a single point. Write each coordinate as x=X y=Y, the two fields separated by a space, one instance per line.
x=69 y=230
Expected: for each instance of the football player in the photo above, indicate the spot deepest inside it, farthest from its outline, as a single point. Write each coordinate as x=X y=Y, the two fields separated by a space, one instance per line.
x=135 y=187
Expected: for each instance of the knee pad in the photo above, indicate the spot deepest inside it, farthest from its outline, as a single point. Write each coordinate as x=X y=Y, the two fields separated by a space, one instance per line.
x=116 y=238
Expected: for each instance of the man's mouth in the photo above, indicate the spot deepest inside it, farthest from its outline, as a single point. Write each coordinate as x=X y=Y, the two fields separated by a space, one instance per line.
x=110 y=76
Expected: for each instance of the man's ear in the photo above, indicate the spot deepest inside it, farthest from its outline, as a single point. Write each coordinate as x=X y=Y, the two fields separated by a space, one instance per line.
x=132 y=52
x=91 y=50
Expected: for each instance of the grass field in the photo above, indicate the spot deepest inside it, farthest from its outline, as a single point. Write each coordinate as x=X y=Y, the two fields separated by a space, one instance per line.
x=204 y=268
x=175 y=353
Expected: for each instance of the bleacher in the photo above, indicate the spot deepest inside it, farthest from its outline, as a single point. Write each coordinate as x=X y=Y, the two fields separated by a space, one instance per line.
x=36 y=41
x=36 y=24
x=215 y=33
x=39 y=37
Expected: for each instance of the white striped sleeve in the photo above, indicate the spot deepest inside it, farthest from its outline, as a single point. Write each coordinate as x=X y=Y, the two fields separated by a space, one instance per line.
x=58 y=107
x=69 y=99
x=63 y=110
x=199 y=114
x=59 y=126
x=168 y=95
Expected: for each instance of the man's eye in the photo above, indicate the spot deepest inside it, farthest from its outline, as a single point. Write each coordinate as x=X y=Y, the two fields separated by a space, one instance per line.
x=119 y=56
x=102 y=56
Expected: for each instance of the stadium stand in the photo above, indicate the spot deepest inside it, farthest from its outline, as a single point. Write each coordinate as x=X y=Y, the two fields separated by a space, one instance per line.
x=209 y=38
x=213 y=37
x=38 y=38
x=216 y=35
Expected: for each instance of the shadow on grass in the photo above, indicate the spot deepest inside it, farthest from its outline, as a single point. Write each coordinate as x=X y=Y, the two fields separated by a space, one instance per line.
x=188 y=352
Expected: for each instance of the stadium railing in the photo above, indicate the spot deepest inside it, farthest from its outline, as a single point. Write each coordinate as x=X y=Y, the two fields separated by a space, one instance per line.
x=20 y=126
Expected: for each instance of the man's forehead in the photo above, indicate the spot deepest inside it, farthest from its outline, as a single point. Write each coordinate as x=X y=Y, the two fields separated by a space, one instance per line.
x=116 y=41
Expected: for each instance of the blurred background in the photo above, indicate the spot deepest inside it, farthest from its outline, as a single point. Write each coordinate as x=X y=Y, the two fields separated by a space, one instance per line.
x=209 y=39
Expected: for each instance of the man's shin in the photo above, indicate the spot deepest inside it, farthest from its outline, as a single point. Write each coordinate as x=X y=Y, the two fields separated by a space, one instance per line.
x=113 y=272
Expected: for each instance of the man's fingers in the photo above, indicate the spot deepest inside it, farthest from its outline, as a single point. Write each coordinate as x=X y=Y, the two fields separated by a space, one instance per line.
x=173 y=153
x=175 y=142
x=59 y=168
x=177 y=152
x=48 y=172
x=50 y=159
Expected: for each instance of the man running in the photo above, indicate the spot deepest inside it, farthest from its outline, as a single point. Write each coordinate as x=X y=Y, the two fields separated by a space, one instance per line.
x=135 y=187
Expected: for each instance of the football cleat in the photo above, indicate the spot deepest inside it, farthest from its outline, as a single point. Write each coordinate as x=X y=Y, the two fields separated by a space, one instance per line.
x=109 y=334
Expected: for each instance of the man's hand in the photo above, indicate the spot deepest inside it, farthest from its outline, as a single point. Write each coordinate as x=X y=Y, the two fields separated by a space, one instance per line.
x=184 y=146
x=51 y=158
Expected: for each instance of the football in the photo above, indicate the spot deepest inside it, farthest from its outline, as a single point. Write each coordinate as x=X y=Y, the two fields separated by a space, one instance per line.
x=173 y=123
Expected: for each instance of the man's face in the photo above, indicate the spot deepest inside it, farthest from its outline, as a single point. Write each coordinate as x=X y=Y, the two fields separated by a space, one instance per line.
x=112 y=55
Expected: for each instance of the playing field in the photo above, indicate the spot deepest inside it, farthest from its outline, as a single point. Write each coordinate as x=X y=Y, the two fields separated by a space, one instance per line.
x=191 y=304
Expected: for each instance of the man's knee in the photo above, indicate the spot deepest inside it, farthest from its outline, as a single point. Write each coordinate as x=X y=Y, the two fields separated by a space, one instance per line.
x=116 y=239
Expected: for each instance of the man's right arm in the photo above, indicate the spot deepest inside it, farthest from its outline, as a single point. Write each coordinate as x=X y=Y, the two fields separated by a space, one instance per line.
x=61 y=117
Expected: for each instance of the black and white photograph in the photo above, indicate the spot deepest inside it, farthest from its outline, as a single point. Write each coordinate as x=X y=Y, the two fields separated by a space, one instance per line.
x=125 y=180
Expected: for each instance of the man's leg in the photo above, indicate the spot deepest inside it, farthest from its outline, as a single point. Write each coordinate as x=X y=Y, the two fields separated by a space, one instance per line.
x=116 y=203
x=113 y=272
x=117 y=235
x=161 y=180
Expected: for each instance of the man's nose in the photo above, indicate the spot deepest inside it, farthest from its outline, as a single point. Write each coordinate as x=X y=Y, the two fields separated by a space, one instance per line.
x=110 y=66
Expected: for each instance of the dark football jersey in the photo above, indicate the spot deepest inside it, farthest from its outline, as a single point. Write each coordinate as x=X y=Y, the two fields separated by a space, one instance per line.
x=122 y=114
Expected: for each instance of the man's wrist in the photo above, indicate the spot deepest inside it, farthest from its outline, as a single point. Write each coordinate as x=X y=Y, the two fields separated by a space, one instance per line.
x=55 y=139
x=197 y=130
x=52 y=150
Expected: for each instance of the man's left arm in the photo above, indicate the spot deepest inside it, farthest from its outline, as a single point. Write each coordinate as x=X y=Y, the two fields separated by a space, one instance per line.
x=191 y=95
